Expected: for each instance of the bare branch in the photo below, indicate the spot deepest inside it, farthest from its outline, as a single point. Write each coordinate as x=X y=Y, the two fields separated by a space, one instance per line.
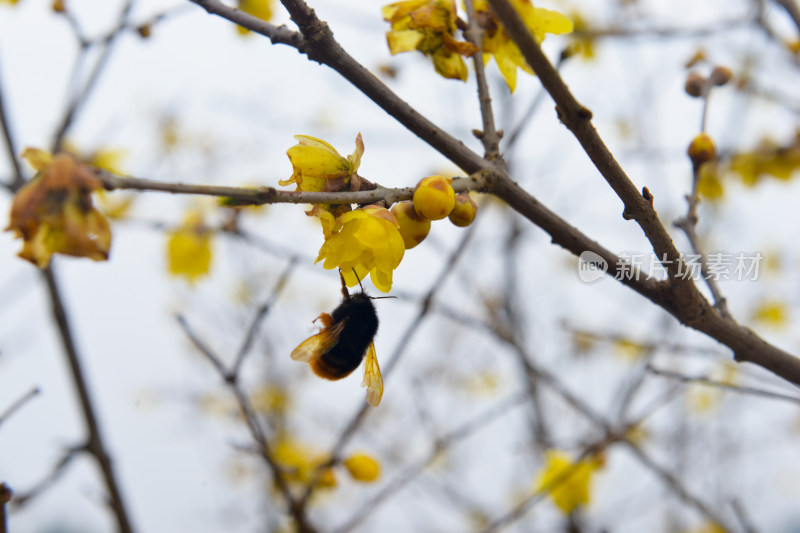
x=413 y=470
x=14 y=407
x=5 y=496
x=295 y=507
x=99 y=67
x=489 y=135
x=741 y=389
x=11 y=148
x=261 y=312
x=94 y=445
x=270 y=195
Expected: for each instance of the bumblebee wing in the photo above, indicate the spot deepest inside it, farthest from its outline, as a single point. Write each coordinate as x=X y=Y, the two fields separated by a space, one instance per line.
x=315 y=346
x=372 y=377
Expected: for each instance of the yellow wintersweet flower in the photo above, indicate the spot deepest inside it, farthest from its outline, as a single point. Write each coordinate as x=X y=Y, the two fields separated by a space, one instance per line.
x=317 y=166
x=258 y=8
x=299 y=462
x=189 y=248
x=567 y=482
x=774 y=313
x=428 y=26
x=363 y=467
x=53 y=213
x=497 y=42
x=364 y=241
x=12 y=2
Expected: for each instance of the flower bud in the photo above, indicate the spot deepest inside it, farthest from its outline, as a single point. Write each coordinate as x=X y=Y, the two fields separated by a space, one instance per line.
x=720 y=76
x=363 y=467
x=413 y=227
x=464 y=211
x=434 y=197
x=702 y=150
x=695 y=84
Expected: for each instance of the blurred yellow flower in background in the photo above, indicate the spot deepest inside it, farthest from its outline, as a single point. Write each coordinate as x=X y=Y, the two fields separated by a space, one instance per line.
x=189 y=248
x=567 y=482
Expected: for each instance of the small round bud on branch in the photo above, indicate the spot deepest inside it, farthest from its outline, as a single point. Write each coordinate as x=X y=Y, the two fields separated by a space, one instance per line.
x=695 y=85
x=702 y=150
x=720 y=76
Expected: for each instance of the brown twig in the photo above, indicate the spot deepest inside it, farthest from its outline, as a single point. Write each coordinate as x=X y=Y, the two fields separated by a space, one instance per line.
x=49 y=480
x=489 y=135
x=792 y=9
x=256 y=431
x=413 y=470
x=5 y=496
x=740 y=389
x=11 y=148
x=99 y=67
x=94 y=444
x=270 y=195
x=261 y=313
x=14 y=407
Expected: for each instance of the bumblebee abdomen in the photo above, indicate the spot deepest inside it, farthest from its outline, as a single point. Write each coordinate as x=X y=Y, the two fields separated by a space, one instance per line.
x=360 y=326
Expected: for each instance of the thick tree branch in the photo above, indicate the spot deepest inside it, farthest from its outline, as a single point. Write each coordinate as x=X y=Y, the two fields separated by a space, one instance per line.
x=677 y=295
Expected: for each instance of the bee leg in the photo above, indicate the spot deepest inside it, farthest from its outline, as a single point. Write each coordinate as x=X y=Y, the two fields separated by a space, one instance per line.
x=345 y=292
x=326 y=319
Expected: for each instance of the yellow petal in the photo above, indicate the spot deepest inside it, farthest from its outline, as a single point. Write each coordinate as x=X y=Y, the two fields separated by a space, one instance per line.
x=38 y=159
x=403 y=40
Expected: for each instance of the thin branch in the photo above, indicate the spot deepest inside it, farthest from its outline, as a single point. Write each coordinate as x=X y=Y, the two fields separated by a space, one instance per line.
x=270 y=195
x=741 y=389
x=413 y=470
x=261 y=312
x=792 y=9
x=256 y=431
x=5 y=496
x=94 y=445
x=276 y=34
x=14 y=407
x=489 y=136
x=99 y=67
x=50 y=479
x=551 y=381
x=11 y=148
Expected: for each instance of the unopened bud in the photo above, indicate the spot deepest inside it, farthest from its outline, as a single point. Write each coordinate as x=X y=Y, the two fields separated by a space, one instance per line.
x=413 y=227
x=464 y=211
x=701 y=150
x=434 y=197
x=720 y=76
x=695 y=84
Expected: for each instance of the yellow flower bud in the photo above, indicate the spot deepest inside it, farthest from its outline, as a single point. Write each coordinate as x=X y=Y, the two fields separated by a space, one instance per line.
x=464 y=211
x=702 y=149
x=327 y=479
x=363 y=468
x=413 y=227
x=434 y=197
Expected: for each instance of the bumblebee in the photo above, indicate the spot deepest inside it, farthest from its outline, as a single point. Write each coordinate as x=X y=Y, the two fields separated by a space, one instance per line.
x=346 y=336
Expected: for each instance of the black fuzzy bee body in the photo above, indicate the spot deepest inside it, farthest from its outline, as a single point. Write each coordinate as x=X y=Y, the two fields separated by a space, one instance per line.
x=359 y=324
